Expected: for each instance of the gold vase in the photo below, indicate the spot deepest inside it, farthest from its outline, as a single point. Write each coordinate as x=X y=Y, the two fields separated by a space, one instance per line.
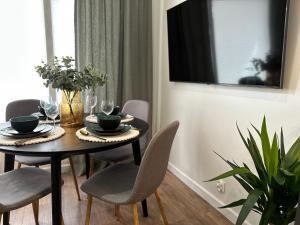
x=71 y=110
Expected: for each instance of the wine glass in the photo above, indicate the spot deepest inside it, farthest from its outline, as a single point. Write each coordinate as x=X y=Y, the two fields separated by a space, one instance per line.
x=107 y=106
x=43 y=102
x=91 y=102
x=52 y=109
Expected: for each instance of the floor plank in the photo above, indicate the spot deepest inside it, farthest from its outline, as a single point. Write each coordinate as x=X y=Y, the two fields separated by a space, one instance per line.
x=182 y=206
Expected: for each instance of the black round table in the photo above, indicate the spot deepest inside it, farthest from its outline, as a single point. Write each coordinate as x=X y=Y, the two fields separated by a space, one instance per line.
x=64 y=147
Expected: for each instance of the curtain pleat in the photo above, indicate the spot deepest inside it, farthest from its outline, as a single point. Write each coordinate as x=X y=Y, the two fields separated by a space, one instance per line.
x=116 y=36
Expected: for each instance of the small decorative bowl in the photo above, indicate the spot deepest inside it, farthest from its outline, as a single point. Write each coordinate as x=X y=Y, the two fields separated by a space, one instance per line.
x=24 y=124
x=116 y=110
x=109 y=122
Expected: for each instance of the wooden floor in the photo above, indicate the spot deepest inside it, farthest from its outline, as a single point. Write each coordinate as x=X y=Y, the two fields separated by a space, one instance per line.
x=183 y=207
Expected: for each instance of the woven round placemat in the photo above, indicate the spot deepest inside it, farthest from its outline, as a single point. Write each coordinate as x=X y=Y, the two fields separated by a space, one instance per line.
x=132 y=133
x=55 y=134
x=93 y=119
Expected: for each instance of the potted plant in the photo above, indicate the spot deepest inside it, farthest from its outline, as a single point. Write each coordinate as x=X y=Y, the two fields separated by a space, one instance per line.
x=274 y=187
x=63 y=75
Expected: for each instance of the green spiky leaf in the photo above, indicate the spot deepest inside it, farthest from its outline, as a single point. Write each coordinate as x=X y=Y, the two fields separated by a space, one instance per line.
x=248 y=205
x=234 y=204
x=236 y=171
x=276 y=185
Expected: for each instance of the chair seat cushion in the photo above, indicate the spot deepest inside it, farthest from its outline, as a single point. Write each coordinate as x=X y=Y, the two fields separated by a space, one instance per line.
x=113 y=184
x=32 y=161
x=23 y=186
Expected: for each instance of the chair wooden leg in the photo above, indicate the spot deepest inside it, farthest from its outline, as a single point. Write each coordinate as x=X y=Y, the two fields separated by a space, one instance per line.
x=35 y=207
x=88 y=210
x=62 y=220
x=74 y=177
x=0 y=217
x=117 y=210
x=161 y=209
x=19 y=165
x=135 y=214
x=92 y=166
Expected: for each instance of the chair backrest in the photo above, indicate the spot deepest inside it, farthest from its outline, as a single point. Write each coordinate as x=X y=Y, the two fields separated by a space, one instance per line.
x=137 y=108
x=154 y=163
x=21 y=108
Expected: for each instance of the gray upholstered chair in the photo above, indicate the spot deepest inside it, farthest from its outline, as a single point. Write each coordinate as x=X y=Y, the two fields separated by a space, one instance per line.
x=27 y=107
x=136 y=108
x=19 y=188
x=126 y=183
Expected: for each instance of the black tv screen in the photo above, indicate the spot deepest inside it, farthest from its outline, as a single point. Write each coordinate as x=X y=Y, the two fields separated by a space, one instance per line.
x=234 y=42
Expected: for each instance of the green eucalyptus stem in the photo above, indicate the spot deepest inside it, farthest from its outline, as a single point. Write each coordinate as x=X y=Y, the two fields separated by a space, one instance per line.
x=75 y=93
x=70 y=100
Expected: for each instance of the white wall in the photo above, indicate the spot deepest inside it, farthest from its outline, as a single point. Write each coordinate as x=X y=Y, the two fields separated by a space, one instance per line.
x=208 y=113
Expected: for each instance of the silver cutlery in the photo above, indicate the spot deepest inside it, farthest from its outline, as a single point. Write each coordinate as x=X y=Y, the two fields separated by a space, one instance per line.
x=86 y=133
x=134 y=128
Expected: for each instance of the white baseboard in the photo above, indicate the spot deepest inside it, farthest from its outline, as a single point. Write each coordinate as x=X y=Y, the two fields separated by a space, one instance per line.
x=204 y=193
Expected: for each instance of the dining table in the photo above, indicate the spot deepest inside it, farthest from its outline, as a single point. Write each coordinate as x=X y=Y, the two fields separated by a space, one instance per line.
x=64 y=147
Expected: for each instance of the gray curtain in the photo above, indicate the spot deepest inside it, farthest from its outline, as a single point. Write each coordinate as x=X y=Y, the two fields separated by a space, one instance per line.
x=116 y=36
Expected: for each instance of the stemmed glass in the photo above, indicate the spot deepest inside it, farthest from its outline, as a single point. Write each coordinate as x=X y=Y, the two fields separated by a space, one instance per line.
x=43 y=102
x=107 y=106
x=52 y=109
x=91 y=101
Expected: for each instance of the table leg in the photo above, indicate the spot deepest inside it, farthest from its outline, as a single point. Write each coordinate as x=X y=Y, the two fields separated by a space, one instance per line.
x=56 y=189
x=8 y=166
x=87 y=165
x=136 y=152
x=137 y=160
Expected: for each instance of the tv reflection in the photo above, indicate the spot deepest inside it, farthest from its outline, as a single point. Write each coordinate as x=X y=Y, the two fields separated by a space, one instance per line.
x=271 y=66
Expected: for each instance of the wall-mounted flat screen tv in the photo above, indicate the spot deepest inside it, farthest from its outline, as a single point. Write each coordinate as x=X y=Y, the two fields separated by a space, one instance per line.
x=231 y=42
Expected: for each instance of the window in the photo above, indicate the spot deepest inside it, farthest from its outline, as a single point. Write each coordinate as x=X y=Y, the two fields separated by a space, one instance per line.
x=23 y=45
x=63 y=27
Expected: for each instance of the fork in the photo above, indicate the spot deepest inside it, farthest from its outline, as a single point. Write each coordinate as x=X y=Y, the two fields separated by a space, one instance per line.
x=86 y=133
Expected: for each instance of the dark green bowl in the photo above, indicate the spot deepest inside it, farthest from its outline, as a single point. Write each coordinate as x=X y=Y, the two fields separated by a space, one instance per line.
x=109 y=122
x=24 y=124
x=116 y=110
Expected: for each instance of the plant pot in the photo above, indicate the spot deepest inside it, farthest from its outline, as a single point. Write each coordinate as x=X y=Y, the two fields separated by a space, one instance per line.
x=71 y=110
